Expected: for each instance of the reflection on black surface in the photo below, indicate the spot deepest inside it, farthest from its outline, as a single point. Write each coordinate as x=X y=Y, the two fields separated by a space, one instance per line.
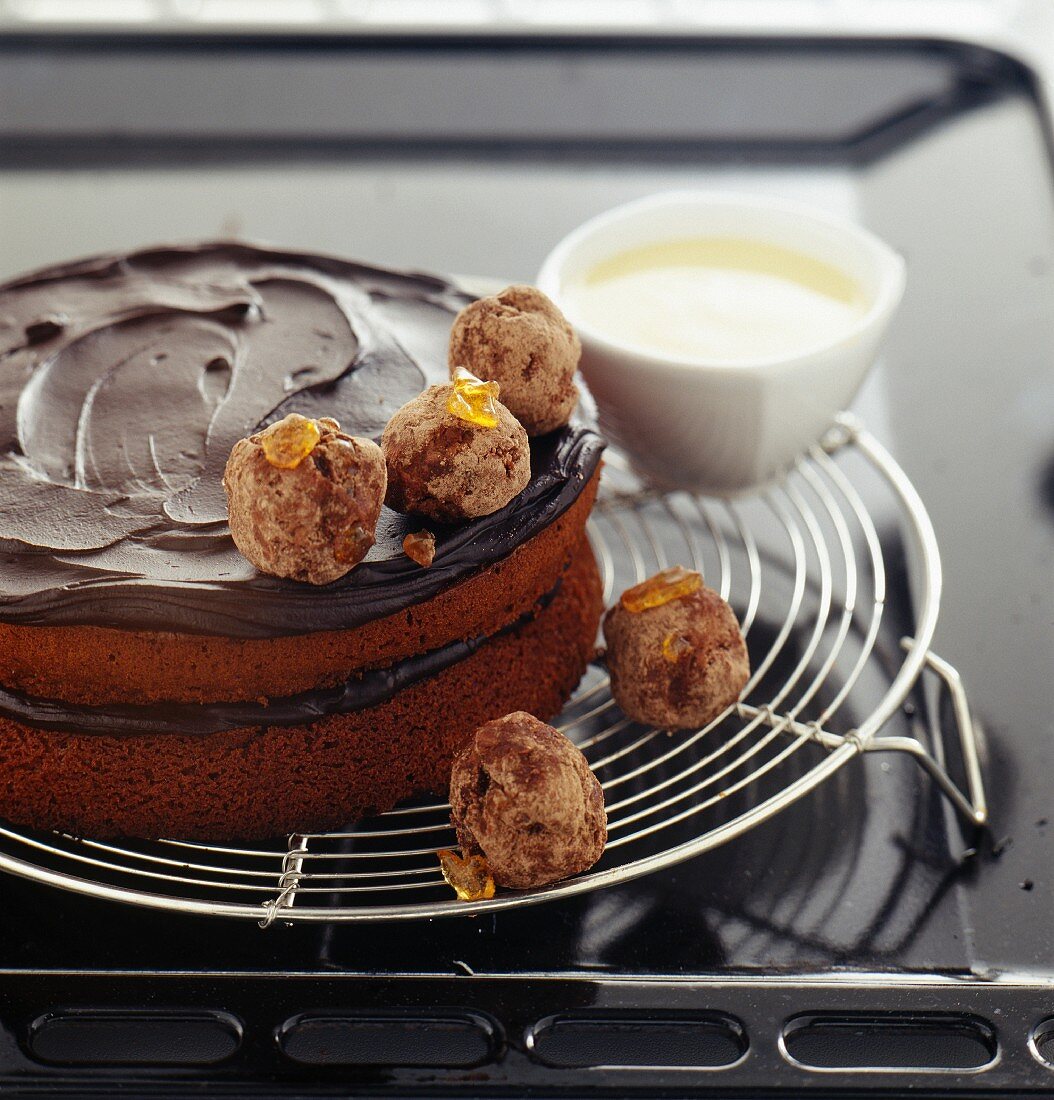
x=968 y=388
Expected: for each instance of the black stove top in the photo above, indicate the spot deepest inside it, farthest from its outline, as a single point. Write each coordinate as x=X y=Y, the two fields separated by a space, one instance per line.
x=859 y=941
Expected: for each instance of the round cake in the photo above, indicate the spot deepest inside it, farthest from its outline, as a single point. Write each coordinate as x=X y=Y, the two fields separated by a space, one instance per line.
x=152 y=682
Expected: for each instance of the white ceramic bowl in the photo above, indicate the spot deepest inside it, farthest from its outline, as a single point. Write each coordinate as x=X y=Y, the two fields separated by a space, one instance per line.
x=719 y=427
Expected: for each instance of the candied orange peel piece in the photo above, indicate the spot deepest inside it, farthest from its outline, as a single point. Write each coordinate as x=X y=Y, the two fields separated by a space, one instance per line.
x=675 y=647
x=352 y=544
x=288 y=442
x=671 y=584
x=469 y=876
x=420 y=546
x=474 y=400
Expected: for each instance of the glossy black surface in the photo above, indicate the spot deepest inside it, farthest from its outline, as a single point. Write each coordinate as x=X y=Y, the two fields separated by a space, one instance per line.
x=870 y=875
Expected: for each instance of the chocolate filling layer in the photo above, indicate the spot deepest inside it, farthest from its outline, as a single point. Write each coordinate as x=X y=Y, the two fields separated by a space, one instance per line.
x=124 y=382
x=368 y=689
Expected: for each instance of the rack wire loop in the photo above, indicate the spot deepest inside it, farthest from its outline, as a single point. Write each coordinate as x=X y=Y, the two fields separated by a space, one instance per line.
x=972 y=804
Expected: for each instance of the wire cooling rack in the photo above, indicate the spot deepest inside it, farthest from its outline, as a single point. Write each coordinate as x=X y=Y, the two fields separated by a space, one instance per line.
x=803 y=566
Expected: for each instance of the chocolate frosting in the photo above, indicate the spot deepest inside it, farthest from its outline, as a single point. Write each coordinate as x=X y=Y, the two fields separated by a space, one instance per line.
x=126 y=380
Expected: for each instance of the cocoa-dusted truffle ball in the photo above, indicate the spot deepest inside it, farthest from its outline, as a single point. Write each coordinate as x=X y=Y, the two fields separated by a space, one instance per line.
x=455 y=465
x=303 y=498
x=674 y=651
x=523 y=797
x=519 y=339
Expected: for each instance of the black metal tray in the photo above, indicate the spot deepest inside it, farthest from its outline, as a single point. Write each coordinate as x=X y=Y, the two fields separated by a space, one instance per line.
x=857 y=942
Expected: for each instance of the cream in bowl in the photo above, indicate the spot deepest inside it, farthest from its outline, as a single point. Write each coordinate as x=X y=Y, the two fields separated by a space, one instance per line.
x=719 y=299
x=722 y=334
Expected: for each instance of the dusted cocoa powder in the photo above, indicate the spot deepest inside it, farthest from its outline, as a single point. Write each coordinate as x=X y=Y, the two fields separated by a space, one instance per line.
x=523 y=796
x=520 y=340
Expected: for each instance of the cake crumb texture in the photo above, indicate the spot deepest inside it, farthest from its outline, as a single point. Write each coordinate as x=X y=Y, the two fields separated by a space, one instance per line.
x=257 y=783
x=95 y=665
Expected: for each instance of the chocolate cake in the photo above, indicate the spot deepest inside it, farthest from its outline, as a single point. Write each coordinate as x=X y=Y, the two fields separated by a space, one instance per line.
x=152 y=682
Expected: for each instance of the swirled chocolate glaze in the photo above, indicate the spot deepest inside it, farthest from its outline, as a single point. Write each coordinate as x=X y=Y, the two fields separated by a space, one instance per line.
x=126 y=380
